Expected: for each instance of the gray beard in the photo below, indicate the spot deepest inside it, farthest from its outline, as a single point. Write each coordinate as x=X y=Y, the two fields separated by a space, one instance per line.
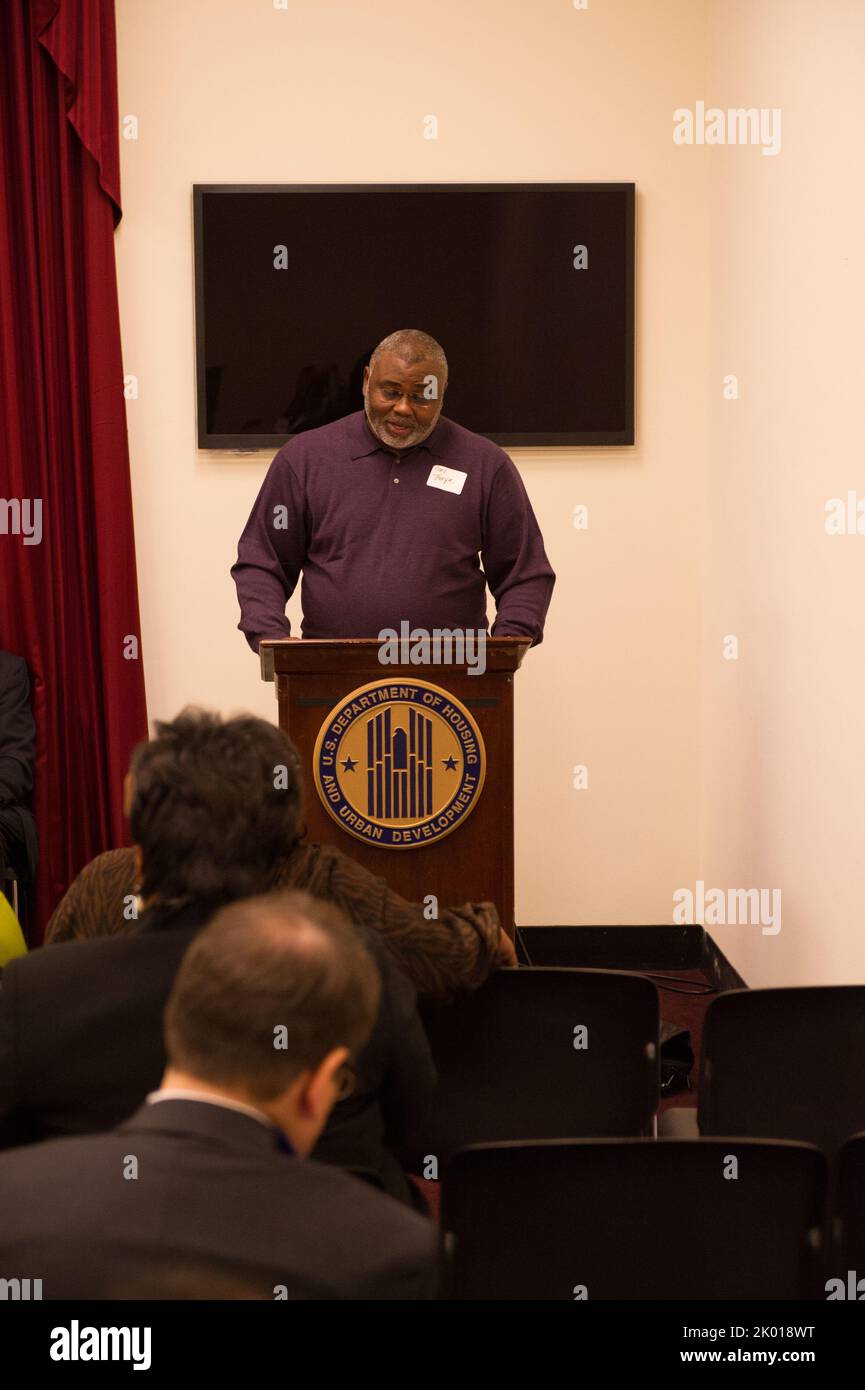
x=389 y=443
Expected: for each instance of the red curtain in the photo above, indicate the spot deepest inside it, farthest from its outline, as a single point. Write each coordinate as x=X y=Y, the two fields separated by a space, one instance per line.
x=68 y=604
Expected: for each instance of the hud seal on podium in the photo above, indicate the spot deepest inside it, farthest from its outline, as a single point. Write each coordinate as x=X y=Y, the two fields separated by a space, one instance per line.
x=399 y=763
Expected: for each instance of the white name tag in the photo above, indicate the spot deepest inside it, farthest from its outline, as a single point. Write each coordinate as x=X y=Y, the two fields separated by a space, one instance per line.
x=448 y=479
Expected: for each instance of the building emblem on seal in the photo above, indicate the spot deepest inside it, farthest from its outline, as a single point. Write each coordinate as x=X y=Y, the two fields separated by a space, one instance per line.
x=399 y=763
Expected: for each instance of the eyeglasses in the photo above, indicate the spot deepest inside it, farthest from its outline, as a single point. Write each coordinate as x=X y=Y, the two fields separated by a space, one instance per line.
x=346 y=1081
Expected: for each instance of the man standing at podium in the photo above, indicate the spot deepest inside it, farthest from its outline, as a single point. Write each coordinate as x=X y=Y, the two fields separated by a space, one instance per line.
x=394 y=513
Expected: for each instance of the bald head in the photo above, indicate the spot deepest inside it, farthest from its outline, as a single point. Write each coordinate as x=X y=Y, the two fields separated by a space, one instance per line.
x=272 y=986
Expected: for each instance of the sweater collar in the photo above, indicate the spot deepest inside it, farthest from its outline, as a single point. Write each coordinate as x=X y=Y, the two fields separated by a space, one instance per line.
x=362 y=441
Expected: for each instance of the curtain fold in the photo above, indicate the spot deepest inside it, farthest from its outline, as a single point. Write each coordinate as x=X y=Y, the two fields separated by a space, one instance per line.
x=68 y=598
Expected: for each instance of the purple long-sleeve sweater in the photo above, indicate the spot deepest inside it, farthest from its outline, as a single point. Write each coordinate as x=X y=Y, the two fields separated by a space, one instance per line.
x=378 y=545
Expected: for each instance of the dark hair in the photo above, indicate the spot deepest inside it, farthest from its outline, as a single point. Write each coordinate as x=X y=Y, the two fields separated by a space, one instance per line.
x=267 y=990
x=215 y=807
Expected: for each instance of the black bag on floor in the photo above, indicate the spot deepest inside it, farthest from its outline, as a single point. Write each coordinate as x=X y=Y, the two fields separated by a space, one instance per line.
x=677 y=1058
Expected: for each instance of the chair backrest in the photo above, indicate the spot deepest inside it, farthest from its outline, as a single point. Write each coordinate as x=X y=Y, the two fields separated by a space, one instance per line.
x=848 y=1226
x=785 y=1064
x=635 y=1219
x=540 y=1053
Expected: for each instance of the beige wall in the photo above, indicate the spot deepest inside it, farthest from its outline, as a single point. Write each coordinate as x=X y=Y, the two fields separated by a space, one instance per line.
x=233 y=91
x=785 y=723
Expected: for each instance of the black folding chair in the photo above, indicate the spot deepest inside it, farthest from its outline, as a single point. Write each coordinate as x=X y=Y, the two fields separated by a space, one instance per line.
x=536 y=1053
x=635 y=1219
x=848 y=1226
x=785 y=1064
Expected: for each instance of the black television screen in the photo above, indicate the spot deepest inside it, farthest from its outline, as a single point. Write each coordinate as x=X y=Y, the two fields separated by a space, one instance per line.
x=295 y=285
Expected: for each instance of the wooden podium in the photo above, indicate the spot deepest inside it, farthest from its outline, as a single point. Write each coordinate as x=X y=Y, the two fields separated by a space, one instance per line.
x=474 y=860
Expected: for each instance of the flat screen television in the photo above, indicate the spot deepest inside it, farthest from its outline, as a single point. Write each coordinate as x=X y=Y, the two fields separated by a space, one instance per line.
x=529 y=288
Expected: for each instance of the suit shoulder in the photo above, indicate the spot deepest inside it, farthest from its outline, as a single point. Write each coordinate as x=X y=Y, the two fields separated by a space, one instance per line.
x=73 y=1156
x=360 y=1206
x=13 y=669
x=64 y=960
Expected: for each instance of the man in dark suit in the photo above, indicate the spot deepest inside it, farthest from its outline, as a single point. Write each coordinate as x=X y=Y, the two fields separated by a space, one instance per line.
x=19 y=844
x=209 y=1180
x=212 y=806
